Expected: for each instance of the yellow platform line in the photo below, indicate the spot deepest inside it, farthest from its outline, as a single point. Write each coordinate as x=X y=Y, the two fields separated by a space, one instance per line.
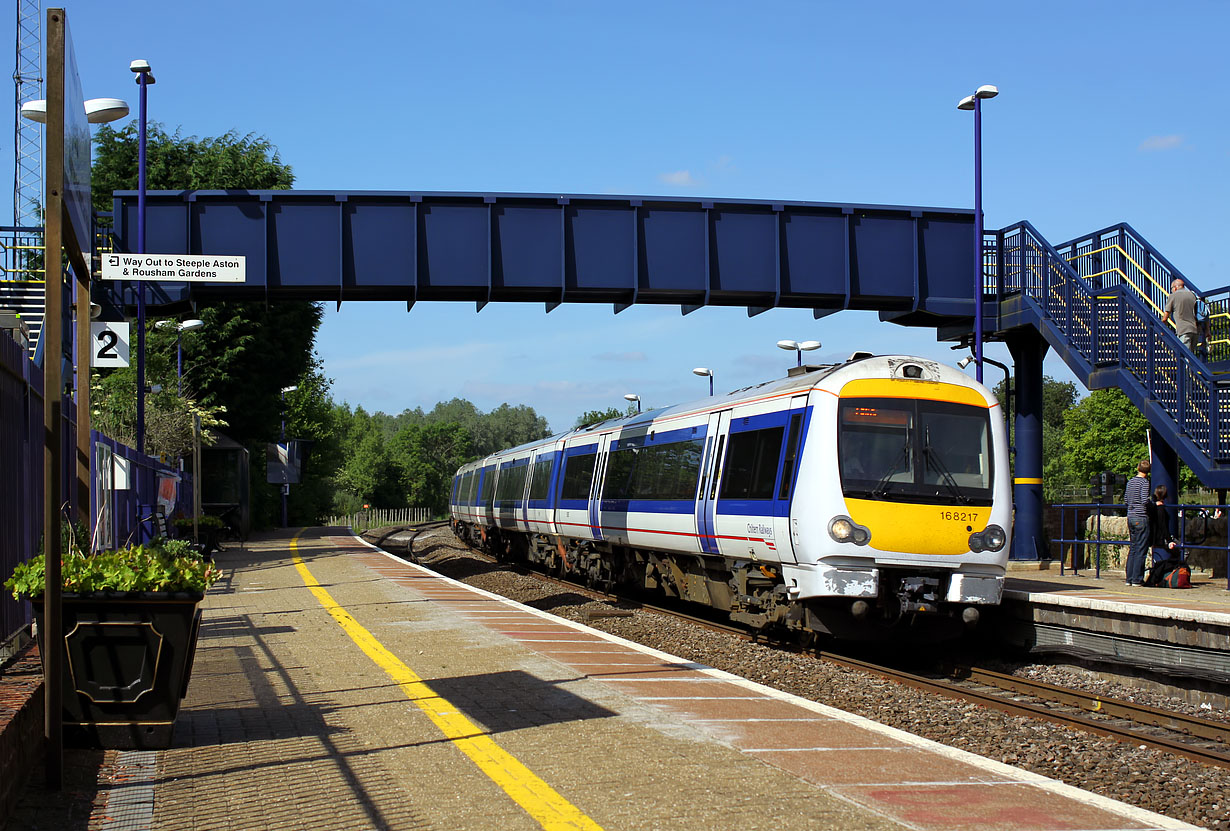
x=538 y=798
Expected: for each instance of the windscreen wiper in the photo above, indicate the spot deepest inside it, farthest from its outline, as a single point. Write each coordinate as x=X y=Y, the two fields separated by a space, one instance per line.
x=902 y=464
x=932 y=459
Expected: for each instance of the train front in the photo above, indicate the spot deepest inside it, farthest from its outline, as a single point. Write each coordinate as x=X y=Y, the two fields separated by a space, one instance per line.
x=902 y=518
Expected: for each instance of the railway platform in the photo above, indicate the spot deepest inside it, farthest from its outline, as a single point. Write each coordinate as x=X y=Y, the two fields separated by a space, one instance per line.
x=337 y=686
x=1178 y=631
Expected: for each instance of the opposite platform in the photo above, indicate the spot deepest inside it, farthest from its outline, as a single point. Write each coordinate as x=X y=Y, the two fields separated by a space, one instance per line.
x=337 y=686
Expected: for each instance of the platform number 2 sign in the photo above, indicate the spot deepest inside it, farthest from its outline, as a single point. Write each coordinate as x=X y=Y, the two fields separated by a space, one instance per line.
x=110 y=344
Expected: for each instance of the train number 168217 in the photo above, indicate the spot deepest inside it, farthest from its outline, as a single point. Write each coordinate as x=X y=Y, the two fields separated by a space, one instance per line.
x=959 y=516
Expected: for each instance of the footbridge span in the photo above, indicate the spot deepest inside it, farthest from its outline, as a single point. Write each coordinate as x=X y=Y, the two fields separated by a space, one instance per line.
x=1096 y=299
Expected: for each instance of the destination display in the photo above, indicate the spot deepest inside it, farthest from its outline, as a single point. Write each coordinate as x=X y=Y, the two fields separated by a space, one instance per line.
x=191 y=268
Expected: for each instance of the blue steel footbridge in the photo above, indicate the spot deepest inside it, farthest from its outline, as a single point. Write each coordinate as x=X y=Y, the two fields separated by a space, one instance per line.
x=1096 y=300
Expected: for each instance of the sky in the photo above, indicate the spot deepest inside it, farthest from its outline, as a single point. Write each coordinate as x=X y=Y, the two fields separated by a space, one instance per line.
x=1107 y=113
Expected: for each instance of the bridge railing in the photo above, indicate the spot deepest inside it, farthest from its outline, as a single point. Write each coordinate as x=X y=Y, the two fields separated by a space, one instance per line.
x=1112 y=324
x=1119 y=256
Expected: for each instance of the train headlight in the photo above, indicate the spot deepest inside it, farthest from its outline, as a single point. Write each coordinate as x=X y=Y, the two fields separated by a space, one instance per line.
x=991 y=538
x=844 y=529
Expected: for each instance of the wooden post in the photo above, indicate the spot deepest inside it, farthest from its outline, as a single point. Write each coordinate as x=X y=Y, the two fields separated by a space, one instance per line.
x=53 y=390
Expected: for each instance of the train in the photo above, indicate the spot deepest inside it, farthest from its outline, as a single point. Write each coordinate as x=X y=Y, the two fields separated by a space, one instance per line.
x=863 y=500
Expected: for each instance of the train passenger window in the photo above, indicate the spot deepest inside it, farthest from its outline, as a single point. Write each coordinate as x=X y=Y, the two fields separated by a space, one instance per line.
x=488 y=487
x=578 y=474
x=512 y=483
x=792 y=451
x=751 y=464
x=471 y=487
x=540 y=478
x=654 y=471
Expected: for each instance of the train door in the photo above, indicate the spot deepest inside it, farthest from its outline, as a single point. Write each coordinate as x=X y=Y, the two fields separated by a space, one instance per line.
x=575 y=484
x=711 y=468
x=796 y=431
x=595 y=497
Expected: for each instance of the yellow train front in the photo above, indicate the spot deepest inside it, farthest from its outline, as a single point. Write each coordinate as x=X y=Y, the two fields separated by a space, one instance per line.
x=901 y=517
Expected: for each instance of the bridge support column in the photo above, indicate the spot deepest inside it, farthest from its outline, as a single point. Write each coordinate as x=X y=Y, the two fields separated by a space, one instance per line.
x=1028 y=348
x=1165 y=472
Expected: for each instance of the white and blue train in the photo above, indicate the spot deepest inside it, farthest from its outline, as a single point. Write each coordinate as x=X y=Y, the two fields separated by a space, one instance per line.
x=851 y=500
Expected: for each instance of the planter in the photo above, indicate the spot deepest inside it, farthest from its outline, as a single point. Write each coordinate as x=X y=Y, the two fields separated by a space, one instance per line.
x=127 y=660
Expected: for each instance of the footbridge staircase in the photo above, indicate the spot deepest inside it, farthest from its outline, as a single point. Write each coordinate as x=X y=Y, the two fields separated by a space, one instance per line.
x=1098 y=301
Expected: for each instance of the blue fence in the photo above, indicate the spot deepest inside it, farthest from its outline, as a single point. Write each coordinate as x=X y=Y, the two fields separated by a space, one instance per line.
x=134 y=497
x=21 y=473
x=1194 y=523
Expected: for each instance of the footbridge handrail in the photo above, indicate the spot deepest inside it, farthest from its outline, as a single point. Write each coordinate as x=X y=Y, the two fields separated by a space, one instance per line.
x=1119 y=255
x=1114 y=336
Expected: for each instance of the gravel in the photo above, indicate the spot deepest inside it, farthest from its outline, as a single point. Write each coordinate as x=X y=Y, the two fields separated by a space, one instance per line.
x=1151 y=779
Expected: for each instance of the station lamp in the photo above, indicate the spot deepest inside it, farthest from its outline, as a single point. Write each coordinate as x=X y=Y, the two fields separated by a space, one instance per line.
x=799 y=348
x=705 y=372
x=634 y=397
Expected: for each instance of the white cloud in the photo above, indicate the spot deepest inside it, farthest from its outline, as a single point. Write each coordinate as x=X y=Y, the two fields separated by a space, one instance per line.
x=682 y=178
x=1170 y=142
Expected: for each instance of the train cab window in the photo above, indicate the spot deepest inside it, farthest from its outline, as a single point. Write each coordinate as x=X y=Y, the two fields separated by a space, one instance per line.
x=578 y=474
x=751 y=464
x=932 y=451
x=471 y=487
x=540 y=478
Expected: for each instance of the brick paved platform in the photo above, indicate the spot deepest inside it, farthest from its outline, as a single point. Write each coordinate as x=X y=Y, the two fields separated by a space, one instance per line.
x=353 y=690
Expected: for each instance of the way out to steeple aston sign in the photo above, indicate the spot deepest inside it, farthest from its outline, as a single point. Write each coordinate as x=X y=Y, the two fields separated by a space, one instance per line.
x=198 y=268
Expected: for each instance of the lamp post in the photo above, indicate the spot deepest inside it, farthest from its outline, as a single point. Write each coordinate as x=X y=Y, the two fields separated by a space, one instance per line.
x=180 y=328
x=703 y=372
x=634 y=397
x=144 y=78
x=974 y=102
x=799 y=348
x=286 y=484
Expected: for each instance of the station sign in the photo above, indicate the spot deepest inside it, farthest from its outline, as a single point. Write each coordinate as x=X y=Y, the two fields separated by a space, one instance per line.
x=180 y=268
x=109 y=344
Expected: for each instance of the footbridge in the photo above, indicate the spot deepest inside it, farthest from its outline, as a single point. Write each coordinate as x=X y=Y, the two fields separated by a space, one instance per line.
x=1096 y=300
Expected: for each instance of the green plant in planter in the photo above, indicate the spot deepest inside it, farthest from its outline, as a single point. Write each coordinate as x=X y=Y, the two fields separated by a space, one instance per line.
x=161 y=566
x=205 y=522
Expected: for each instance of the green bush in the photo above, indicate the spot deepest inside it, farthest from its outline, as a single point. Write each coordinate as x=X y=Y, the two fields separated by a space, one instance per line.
x=163 y=565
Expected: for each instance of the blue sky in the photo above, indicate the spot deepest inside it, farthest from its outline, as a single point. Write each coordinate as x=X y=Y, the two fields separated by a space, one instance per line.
x=1108 y=112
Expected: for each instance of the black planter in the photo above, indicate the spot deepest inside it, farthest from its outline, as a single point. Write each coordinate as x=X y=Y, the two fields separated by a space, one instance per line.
x=127 y=661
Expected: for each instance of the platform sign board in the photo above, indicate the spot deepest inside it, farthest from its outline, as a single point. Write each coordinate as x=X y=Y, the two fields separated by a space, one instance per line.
x=76 y=147
x=283 y=462
x=109 y=344
x=180 y=268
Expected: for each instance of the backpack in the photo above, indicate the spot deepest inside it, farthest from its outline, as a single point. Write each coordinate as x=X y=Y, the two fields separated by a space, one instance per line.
x=1169 y=574
x=1180 y=577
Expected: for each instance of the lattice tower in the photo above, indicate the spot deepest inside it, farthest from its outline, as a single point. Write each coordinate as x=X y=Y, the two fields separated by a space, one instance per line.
x=28 y=135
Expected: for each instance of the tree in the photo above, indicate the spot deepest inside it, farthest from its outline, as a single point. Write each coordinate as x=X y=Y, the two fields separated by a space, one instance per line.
x=595 y=416
x=247 y=352
x=1104 y=432
x=428 y=455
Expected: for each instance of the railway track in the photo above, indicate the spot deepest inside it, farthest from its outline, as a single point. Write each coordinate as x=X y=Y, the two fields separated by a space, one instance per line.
x=1193 y=738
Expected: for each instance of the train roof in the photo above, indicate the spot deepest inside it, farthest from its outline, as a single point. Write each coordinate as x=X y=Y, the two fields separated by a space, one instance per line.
x=800 y=378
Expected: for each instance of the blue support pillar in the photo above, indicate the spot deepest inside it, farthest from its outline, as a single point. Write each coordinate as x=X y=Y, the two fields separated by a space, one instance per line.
x=1028 y=537
x=1165 y=472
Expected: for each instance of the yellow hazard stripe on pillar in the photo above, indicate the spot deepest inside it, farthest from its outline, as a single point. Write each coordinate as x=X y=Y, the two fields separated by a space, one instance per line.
x=538 y=798
x=1026 y=481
